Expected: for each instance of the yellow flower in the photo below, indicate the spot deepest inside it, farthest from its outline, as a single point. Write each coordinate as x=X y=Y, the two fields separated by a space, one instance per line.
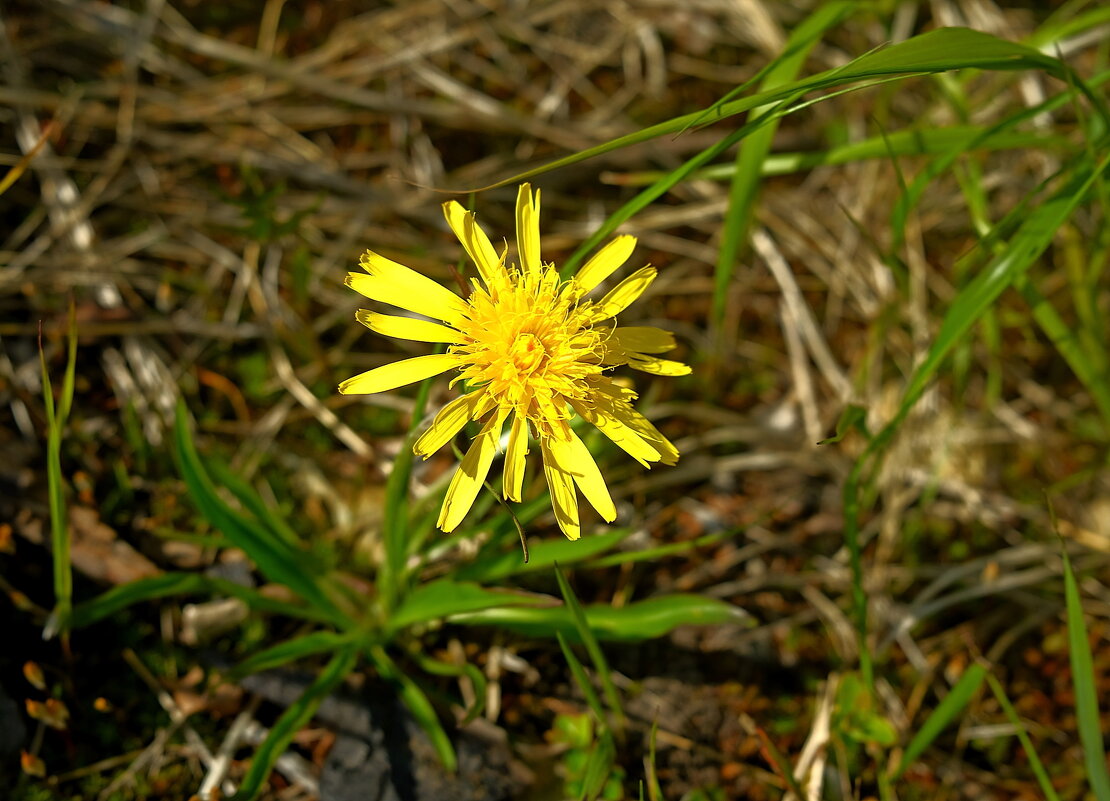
x=529 y=346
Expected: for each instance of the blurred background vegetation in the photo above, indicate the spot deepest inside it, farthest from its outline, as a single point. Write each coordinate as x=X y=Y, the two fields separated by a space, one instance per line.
x=882 y=245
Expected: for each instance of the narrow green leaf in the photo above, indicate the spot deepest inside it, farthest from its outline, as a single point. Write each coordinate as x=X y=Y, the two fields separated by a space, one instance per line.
x=169 y=584
x=497 y=564
x=958 y=697
x=753 y=152
x=317 y=642
x=1027 y=745
x=277 y=559
x=578 y=673
x=477 y=678
x=599 y=766
x=418 y=704
x=292 y=720
x=445 y=597
x=940 y=50
x=1086 y=694
x=588 y=639
x=252 y=502
x=661 y=551
x=637 y=621
x=853 y=418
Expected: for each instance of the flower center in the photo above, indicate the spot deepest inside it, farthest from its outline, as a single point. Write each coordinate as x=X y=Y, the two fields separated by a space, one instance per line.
x=527 y=353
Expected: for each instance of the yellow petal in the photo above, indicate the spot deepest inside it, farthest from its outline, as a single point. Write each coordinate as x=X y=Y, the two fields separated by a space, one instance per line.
x=621 y=435
x=574 y=457
x=477 y=245
x=650 y=364
x=564 y=500
x=623 y=294
x=407 y=327
x=471 y=473
x=634 y=421
x=450 y=420
x=397 y=374
x=528 y=229
x=514 y=458
x=400 y=286
x=642 y=339
x=604 y=263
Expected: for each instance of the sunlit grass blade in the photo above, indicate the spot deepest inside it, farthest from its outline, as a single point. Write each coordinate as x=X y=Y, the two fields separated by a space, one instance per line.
x=953 y=704
x=443 y=597
x=292 y=720
x=588 y=639
x=1086 y=694
x=661 y=551
x=637 y=621
x=498 y=564
x=317 y=642
x=578 y=673
x=418 y=704
x=1034 y=234
x=276 y=558
x=56 y=417
x=1027 y=745
x=167 y=585
x=753 y=152
x=940 y=50
x=911 y=142
x=395 y=523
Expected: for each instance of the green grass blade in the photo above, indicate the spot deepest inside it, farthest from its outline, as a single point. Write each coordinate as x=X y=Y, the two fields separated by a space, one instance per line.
x=578 y=673
x=642 y=620
x=443 y=597
x=753 y=152
x=169 y=584
x=1086 y=694
x=477 y=678
x=599 y=766
x=940 y=50
x=292 y=720
x=418 y=704
x=252 y=501
x=56 y=417
x=586 y=634
x=1027 y=745
x=958 y=697
x=277 y=559
x=317 y=642
x=395 y=524
x=660 y=552
x=497 y=564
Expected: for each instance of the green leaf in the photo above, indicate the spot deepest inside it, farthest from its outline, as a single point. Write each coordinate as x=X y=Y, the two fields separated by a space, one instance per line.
x=477 y=678
x=856 y=716
x=586 y=636
x=578 y=673
x=642 y=620
x=169 y=584
x=940 y=50
x=292 y=720
x=958 y=697
x=853 y=418
x=497 y=565
x=418 y=704
x=318 y=642
x=599 y=766
x=1086 y=694
x=753 y=152
x=277 y=559
x=445 y=597
x=1034 y=761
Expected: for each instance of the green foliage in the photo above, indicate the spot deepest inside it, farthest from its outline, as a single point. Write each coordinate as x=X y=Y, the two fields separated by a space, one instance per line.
x=856 y=718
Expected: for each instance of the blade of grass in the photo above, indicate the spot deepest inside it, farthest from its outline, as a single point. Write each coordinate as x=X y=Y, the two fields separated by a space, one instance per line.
x=592 y=647
x=1086 y=694
x=292 y=720
x=599 y=766
x=443 y=597
x=317 y=642
x=578 y=673
x=1033 y=236
x=477 y=678
x=753 y=152
x=395 y=523
x=958 y=697
x=170 y=584
x=498 y=564
x=56 y=417
x=1034 y=761
x=418 y=704
x=276 y=558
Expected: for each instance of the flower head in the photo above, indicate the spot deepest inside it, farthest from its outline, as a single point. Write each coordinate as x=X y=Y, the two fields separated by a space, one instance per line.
x=533 y=351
